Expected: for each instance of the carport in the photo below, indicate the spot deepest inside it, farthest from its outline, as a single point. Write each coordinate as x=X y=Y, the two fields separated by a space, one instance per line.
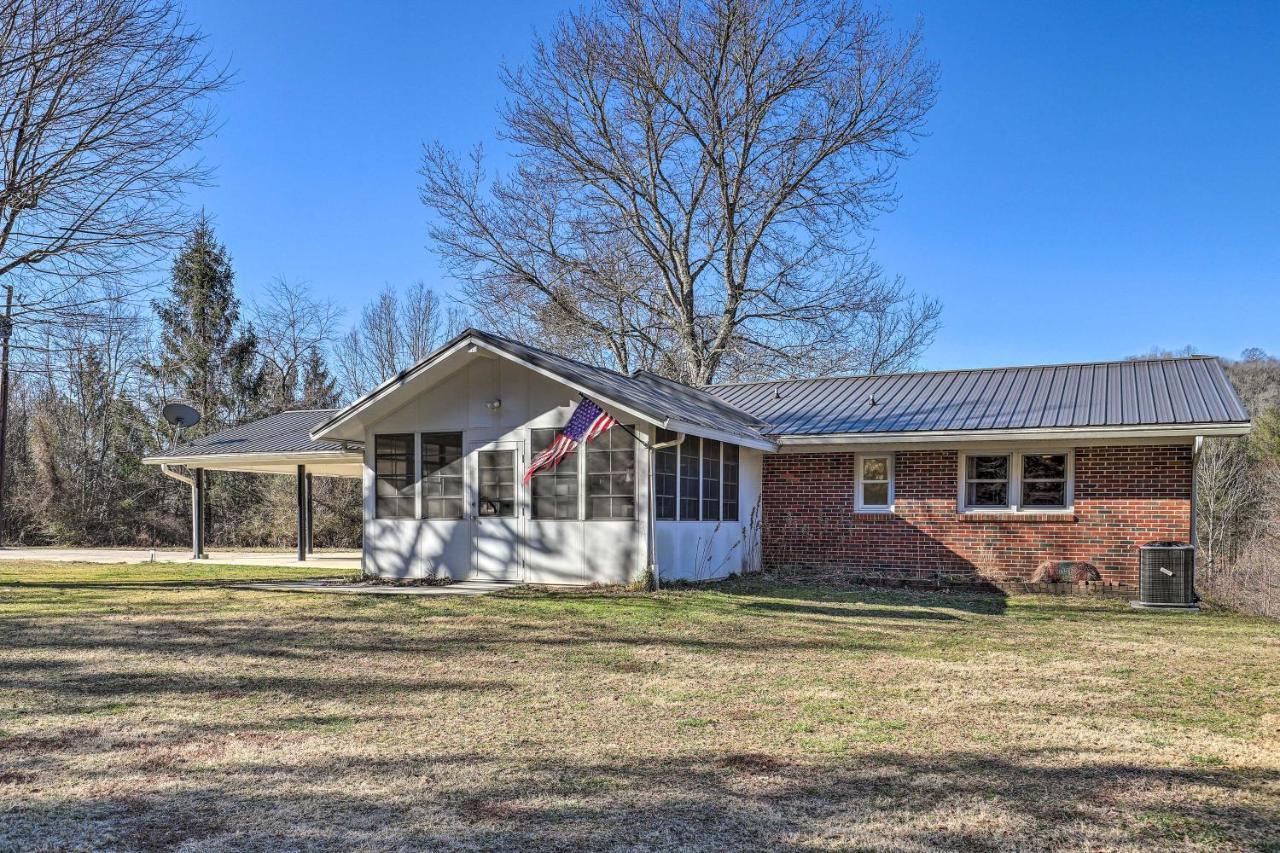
x=279 y=444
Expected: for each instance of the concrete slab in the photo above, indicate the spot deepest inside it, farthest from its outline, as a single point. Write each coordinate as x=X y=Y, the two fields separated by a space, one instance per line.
x=339 y=561
x=320 y=586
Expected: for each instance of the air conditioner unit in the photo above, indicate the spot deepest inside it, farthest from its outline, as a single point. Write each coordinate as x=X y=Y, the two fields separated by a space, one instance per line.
x=1166 y=575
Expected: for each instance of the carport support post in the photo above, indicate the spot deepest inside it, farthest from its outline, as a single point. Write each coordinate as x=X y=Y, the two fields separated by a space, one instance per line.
x=197 y=514
x=311 y=514
x=302 y=513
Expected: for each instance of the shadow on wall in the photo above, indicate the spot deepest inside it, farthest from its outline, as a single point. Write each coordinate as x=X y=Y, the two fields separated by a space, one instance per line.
x=396 y=549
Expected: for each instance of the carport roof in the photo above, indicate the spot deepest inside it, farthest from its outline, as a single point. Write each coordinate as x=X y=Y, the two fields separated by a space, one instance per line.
x=274 y=444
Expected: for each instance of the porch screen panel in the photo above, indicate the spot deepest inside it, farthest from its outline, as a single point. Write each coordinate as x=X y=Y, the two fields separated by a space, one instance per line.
x=611 y=475
x=665 y=471
x=554 y=491
x=710 y=480
x=730 y=482
x=690 y=485
x=442 y=467
x=393 y=476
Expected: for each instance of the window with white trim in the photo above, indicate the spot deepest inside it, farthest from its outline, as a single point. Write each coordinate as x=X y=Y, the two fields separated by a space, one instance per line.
x=986 y=481
x=875 y=482
x=1044 y=480
x=1013 y=481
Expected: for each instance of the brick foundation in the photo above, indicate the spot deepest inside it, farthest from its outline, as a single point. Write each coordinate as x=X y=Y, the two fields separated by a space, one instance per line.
x=1124 y=496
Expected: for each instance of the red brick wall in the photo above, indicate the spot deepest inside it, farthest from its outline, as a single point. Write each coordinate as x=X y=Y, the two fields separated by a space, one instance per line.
x=1124 y=496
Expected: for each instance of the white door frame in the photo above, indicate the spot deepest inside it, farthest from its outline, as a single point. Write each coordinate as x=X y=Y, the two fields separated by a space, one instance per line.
x=516 y=521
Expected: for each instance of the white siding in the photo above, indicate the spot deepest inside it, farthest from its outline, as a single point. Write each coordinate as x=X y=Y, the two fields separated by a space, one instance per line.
x=703 y=550
x=552 y=551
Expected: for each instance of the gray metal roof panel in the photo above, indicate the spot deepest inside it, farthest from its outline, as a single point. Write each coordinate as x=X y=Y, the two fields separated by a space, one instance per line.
x=285 y=432
x=1190 y=390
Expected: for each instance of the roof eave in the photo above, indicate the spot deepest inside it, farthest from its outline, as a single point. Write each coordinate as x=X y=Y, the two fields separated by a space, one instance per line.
x=298 y=457
x=329 y=430
x=1073 y=434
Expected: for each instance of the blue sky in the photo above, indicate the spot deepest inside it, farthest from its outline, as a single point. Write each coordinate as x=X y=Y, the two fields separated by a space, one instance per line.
x=1099 y=178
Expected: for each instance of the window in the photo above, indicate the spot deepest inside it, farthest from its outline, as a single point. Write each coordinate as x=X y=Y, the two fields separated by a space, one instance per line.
x=730 y=482
x=393 y=476
x=690 y=467
x=875 y=483
x=665 y=463
x=1044 y=480
x=1016 y=481
x=611 y=475
x=986 y=481
x=554 y=491
x=442 y=475
x=496 y=491
x=710 y=480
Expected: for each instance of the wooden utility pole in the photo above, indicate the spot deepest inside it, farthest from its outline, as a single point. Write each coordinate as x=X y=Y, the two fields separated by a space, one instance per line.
x=6 y=332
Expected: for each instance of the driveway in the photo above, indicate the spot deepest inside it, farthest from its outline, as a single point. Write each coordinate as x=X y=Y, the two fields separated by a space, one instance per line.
x=340 y=561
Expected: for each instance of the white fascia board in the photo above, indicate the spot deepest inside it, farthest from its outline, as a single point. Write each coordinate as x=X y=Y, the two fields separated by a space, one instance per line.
x=718 y=435
x=231 y=460
x=325 y=432
x=1073 y=435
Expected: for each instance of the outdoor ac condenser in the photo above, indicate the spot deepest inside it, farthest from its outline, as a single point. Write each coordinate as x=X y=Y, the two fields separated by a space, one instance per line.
x=1166 y=575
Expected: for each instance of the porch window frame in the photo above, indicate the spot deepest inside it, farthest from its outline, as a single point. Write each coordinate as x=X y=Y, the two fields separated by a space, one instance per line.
x=423 y=498
x=1014 y=502
x=414 y=476
x=584 y=486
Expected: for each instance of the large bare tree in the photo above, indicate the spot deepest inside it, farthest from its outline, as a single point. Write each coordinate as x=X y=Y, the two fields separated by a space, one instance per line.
x=101 y=105
x=694 y=184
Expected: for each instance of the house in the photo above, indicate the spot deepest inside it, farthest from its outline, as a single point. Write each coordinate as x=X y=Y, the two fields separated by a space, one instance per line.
x=948 y=476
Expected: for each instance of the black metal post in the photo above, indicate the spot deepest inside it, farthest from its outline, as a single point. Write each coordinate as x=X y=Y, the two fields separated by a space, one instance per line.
x=197 y=514
x=302 y=513
x=311 y=514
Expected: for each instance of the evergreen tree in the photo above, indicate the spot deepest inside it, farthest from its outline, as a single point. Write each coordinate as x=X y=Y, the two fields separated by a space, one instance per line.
x=319 y=388
x=206 y=357
x=210 y=359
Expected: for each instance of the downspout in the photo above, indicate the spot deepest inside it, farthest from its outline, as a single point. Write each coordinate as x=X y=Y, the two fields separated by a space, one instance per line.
x=653 y=515
x=1195 y=475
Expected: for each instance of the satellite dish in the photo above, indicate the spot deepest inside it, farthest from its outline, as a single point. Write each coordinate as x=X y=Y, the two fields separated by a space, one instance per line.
x=180 y=415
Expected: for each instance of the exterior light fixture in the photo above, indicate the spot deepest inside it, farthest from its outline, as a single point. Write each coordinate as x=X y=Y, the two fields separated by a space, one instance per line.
x=494 y=404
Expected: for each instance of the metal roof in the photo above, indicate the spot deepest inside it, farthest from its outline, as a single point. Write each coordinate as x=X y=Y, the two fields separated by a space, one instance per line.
x=1154 y=392
x=286 y=432
x=661 y=399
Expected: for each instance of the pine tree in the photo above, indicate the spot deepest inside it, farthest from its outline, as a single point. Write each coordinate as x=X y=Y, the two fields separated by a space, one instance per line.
x=206 y=357
x=210 y=359
x=319 y=388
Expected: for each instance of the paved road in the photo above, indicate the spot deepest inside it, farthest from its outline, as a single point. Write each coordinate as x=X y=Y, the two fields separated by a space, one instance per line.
x=338 y=560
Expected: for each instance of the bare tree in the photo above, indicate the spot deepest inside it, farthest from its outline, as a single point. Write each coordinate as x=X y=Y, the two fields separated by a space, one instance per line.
x=292 y=328
x=695 y=179
x=393 y=332
x=101 y=105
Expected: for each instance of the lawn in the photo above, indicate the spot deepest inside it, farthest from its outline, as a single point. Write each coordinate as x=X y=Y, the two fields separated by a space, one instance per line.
x=151 y=707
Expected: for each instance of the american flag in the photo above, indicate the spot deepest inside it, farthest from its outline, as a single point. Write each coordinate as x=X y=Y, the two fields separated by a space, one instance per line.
x=587 y=421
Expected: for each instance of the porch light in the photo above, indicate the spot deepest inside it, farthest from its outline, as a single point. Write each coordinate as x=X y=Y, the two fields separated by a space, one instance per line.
x=494 y=404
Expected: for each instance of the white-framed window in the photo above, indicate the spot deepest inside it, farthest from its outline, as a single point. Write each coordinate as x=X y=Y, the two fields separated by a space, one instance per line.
x=875 y=482
x=1016 y=480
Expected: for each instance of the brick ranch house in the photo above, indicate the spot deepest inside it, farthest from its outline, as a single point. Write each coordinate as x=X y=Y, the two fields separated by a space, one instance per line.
x=994 y=475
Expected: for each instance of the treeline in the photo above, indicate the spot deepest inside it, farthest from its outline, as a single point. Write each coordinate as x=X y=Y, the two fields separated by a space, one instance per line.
x=86 y=395
x=1238 y=497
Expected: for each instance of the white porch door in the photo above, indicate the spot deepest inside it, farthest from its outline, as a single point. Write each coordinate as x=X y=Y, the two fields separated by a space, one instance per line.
x=495 y=528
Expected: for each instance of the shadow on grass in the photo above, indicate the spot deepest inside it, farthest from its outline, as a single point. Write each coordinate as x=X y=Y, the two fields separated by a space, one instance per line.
x=791 y=608
x=712 y=801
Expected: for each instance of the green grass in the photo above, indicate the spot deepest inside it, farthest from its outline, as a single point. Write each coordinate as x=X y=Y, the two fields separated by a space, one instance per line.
x=152 y=707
